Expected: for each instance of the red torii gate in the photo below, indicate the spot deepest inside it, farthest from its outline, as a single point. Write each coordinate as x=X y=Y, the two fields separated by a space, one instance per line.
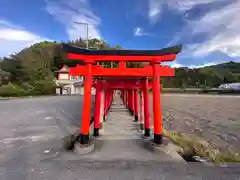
x=129 y=80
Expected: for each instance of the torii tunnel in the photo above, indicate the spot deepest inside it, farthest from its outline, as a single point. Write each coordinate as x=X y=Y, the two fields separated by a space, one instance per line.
x=130 y=81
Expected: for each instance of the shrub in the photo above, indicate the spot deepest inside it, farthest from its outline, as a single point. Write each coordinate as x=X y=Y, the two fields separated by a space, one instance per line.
x=11 y=90
x=43 y=88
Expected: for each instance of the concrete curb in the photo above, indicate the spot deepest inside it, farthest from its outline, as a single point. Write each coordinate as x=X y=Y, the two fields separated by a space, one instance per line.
x=167 y=147
x=83 y=149
x=101 y=130
x=25 y=97
x=12 y=98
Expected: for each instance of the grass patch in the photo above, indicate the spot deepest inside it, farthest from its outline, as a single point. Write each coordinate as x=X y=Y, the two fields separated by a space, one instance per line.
x=198 y=147
x=12 y=90
x=70 y=140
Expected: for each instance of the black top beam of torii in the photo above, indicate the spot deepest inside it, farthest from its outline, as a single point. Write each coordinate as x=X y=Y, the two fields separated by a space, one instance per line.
x=164 y=51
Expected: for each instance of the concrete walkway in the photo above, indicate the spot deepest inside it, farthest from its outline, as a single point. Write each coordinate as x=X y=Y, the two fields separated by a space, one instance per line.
x=119 y=124
x=120 y=139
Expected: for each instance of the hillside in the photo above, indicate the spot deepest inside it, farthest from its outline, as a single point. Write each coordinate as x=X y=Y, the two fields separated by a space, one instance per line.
x=211 y=76
x=35 y=67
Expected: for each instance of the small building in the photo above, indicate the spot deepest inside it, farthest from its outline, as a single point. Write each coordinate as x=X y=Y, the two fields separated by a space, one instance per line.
x=68 y=84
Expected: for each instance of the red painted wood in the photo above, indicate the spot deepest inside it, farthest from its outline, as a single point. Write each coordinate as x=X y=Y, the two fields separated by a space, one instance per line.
x=97 y=108
x=105 y=102
x=121 y=86
x=136 y=102
x=104 y=58
x=123 y=72
x=126 y=98
x=141 y=106
x=122 y=64
x=87 y=101
x=132 y=100
x=146 y=104
x=157 y=113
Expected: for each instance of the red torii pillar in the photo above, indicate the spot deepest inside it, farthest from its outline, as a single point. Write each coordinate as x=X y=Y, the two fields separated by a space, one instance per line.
x=126 y=98
x=136 y=104
x=131 y=101
x=97 y=110
x=84 y=132
x=146 y=108
x=157 y=113
x=141 y=110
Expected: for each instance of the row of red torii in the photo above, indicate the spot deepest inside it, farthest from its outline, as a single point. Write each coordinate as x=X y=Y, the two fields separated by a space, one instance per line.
x=128 y=80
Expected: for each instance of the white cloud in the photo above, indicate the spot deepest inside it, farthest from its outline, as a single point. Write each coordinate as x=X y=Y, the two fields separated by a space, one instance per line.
x=17 y=35
x=139 y=32
x=154 y=10
x=201 y=66
x=220 y=28
x=4 y=23
x=185 y=5
x=155 y=7
x=177 y=65
x=229 y=45
x=68 y=12
x=14 y=38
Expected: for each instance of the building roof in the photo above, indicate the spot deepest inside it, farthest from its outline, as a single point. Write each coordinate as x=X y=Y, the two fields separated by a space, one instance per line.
x=64 y=69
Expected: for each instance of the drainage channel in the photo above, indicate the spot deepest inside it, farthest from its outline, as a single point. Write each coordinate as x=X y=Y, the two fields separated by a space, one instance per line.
x=194 y=158
x=189 y=156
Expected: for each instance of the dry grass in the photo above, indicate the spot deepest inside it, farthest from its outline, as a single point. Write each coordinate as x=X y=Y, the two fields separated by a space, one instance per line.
x=70 y=140
x=212 y=118
x=199 y=147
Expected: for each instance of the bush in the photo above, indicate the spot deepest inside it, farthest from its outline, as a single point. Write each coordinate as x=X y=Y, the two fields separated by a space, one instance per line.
x=11 y=90
x=43 y=88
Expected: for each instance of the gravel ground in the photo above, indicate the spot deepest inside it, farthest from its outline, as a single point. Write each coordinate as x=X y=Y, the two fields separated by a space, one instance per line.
x=215 y=118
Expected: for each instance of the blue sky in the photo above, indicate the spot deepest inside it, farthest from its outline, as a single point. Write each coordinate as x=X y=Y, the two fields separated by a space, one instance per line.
x=208 y=29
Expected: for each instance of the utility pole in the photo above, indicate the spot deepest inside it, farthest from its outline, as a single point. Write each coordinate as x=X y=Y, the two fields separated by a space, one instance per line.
x=85 y=24
x=197 y=84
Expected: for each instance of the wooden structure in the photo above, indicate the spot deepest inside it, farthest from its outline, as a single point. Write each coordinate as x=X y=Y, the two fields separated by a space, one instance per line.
x=128 y=80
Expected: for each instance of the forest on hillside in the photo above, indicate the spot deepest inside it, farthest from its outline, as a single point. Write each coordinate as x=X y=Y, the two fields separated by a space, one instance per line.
x=32 y=70
x=206 y=77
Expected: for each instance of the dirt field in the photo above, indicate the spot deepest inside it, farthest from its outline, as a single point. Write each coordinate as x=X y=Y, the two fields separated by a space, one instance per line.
x=212 y=117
